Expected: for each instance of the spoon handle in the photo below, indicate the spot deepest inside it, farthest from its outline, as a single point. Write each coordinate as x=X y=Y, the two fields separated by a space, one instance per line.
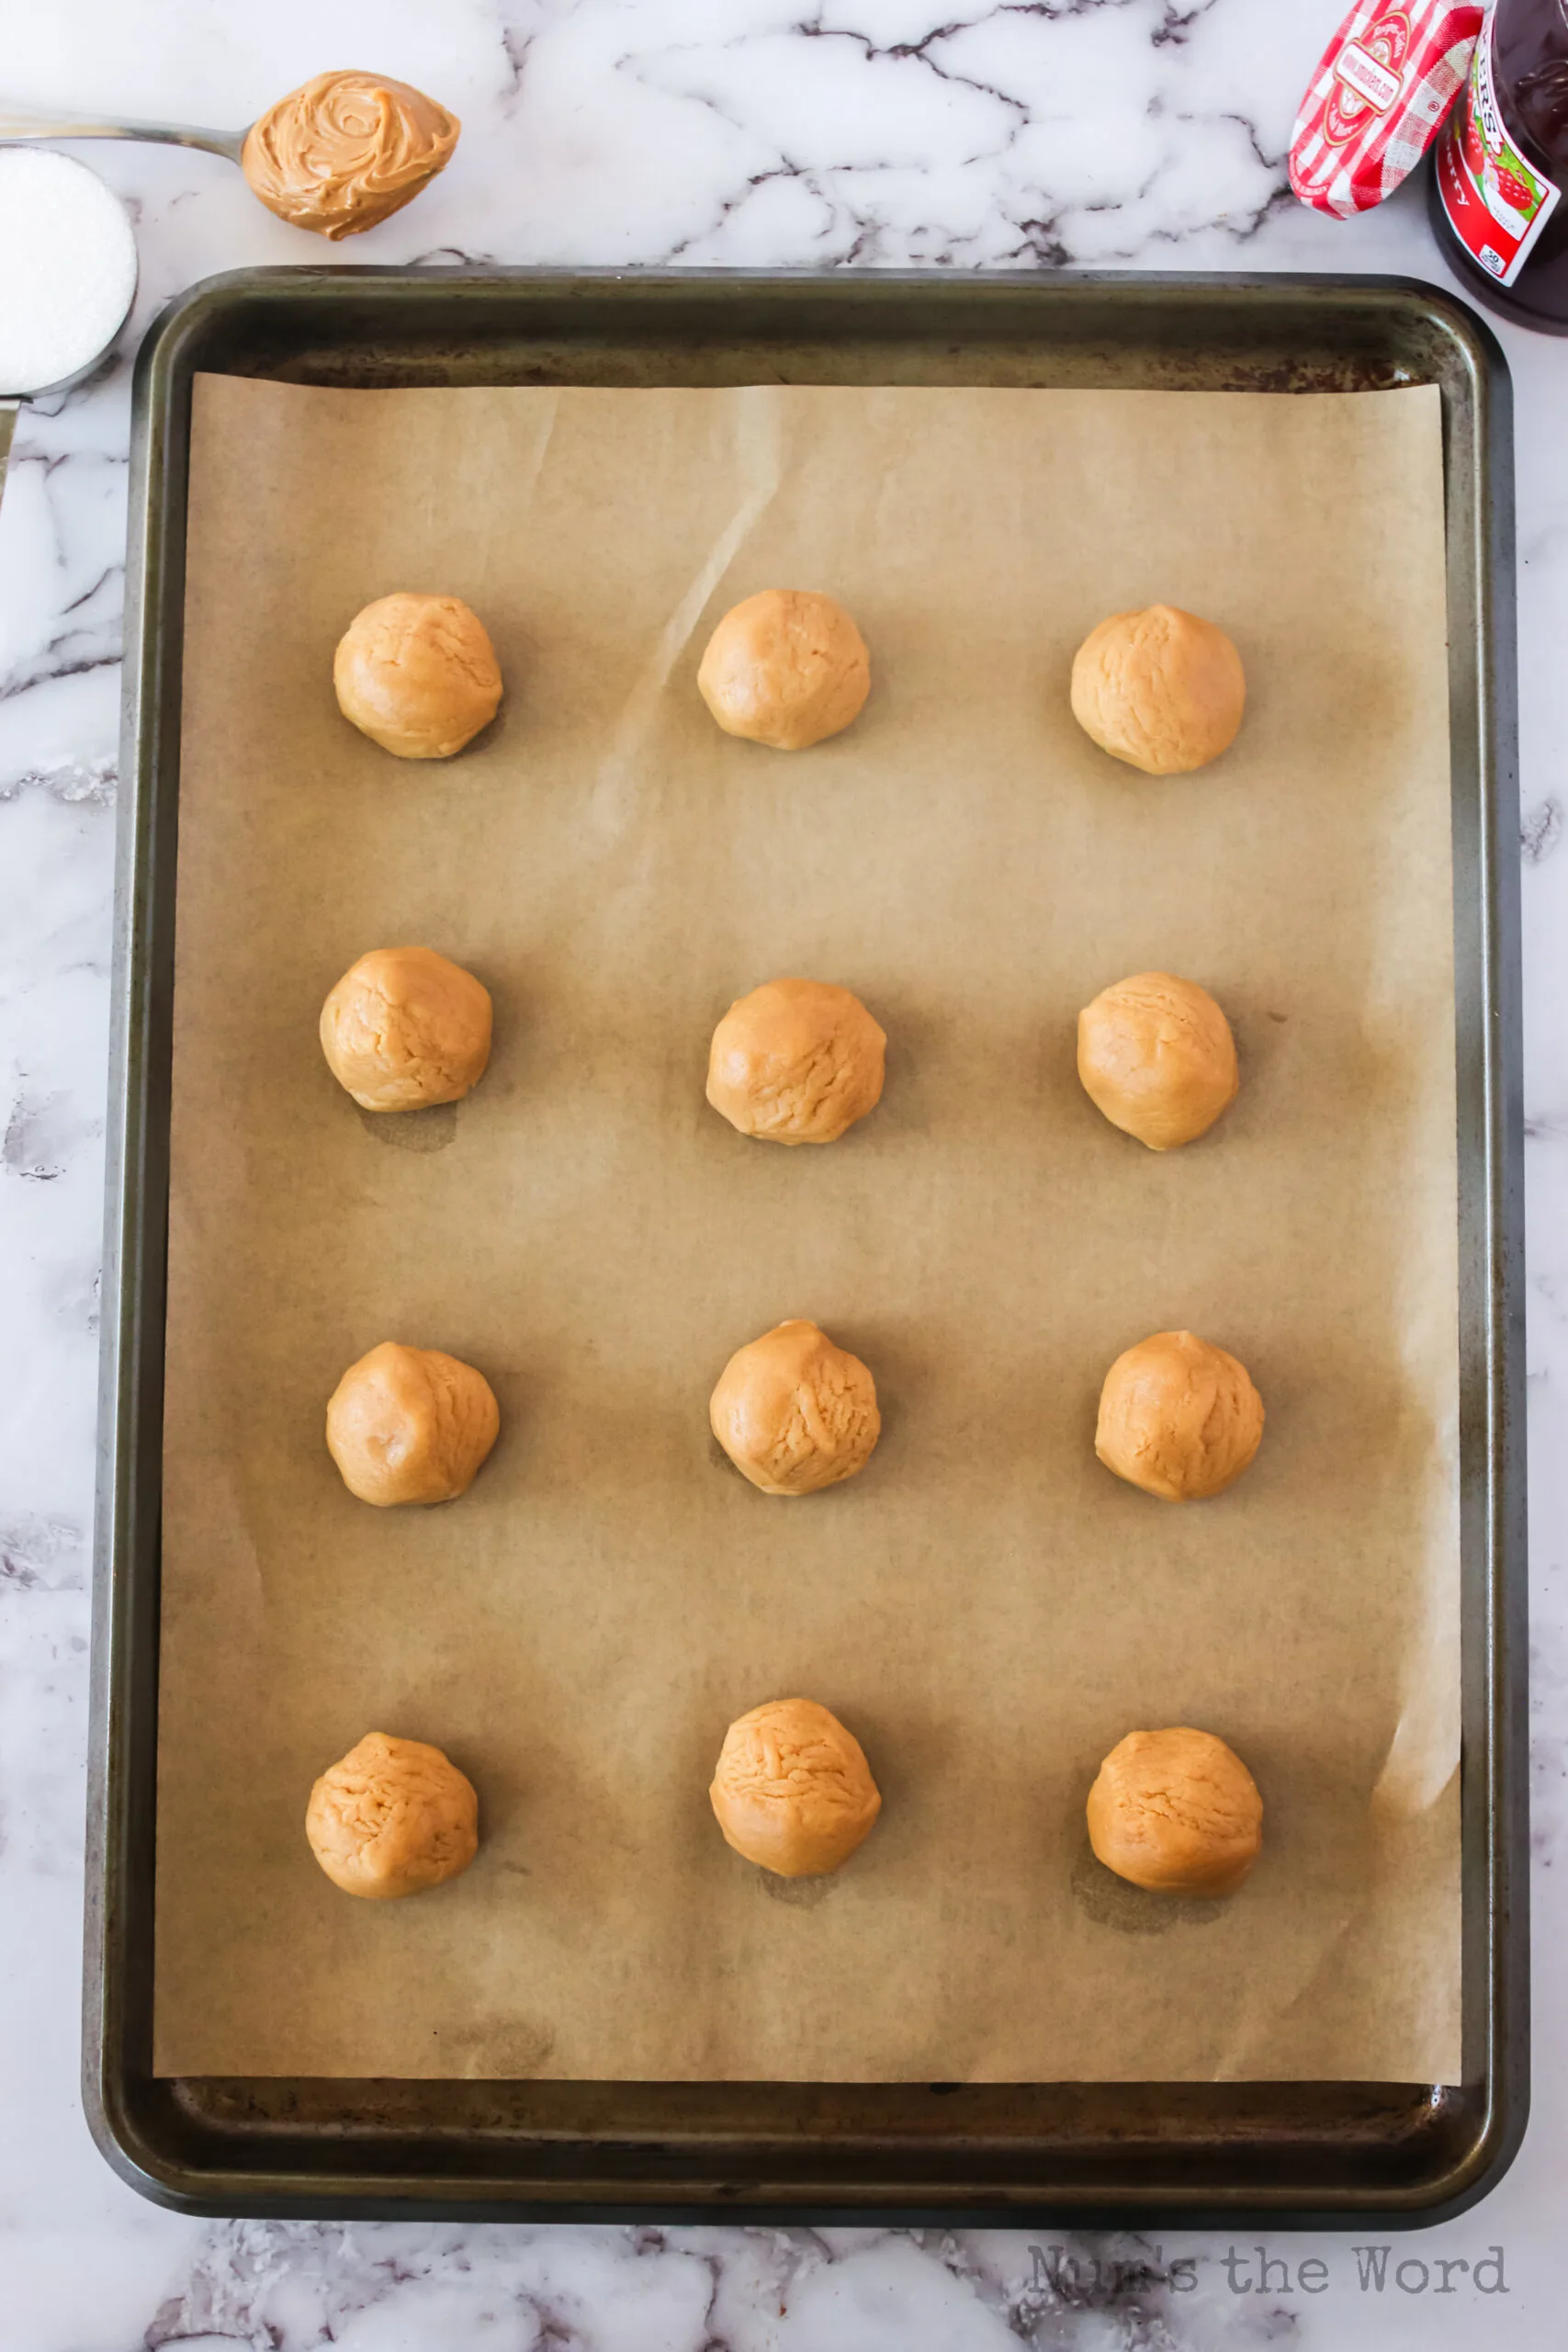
x=7 y=426
x=19 y=123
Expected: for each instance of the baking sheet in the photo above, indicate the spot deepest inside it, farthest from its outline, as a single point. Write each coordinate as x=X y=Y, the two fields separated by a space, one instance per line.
x=986 y=1607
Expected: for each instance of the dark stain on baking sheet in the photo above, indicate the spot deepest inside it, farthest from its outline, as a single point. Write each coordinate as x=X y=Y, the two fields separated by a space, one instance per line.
x=428 y=1130
x=803 y=1893
x=514 y=2048
x=1111 y=1902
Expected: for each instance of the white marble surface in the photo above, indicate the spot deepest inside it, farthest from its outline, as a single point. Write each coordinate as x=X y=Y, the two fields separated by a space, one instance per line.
x=730 y=132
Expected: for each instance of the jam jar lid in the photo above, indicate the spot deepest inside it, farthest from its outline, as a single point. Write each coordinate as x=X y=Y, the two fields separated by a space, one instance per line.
x=1378 y=99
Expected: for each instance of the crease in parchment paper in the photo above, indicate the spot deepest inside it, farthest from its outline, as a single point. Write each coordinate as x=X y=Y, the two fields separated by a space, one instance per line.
x=986 y=1606
x=759 y=453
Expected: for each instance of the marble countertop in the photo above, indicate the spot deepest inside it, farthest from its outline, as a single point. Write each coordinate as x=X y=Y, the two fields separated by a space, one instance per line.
x=744 y=133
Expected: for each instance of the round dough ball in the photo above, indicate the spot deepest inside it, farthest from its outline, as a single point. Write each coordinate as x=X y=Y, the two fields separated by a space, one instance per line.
x=417 y=674
x=797 y=1061
x=1157 y=1055
x=1160 y=689
x=792 y=1790
x=394 y=1818
x=794 y=1412
x=1179 y=1418
x=410 y=1425
x=787 y=668
x=405 y=1027
x=1177 y=1812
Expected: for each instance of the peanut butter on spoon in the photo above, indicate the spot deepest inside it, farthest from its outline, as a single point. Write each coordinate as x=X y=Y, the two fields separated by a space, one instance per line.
x=347 y=150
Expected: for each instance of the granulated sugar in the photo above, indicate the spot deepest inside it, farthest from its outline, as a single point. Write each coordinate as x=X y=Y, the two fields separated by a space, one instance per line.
x=67 y=267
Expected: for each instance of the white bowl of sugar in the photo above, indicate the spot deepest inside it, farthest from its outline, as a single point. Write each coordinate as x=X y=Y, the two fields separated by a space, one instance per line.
x=67 y=270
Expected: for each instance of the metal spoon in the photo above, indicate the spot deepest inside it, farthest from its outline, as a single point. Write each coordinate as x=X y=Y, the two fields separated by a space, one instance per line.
x=19 y=124
x=418 y=152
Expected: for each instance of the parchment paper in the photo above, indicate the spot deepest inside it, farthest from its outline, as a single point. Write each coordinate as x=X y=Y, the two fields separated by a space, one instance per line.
x=987 y=1607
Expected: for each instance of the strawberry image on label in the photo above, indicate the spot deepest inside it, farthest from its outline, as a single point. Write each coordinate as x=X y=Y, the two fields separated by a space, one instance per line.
x=1474 y=147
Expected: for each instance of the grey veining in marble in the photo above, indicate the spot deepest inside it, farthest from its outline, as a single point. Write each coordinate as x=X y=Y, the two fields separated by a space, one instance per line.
x=740 y=132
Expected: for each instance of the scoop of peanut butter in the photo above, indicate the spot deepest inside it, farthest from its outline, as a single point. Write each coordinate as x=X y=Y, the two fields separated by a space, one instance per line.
x=342 y=151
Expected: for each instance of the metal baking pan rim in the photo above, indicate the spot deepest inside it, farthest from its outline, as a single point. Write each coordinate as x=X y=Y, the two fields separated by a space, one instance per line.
x=1203 y=318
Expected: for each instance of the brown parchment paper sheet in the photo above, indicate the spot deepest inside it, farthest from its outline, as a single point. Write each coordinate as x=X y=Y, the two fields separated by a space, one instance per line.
x=987 y=1607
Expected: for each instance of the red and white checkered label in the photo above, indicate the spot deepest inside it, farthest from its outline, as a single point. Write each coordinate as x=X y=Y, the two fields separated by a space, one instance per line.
x=1378 y=99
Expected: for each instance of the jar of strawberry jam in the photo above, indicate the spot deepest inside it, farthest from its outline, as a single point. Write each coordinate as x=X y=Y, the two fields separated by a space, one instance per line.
x=1501 y=166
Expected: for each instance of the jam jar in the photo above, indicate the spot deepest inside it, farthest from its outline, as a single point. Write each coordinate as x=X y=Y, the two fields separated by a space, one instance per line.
x=1501 y=166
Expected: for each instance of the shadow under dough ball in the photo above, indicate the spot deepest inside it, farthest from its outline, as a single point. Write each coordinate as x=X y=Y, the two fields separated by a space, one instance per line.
x=393 y=1818
x=1179 y=1418
x=797 y=1061
x=1156 y=1054
x=792 y=1790
x=794 y=1412
x=405 y=1027
x=417 y=674
x=1160 y=689
x=1177 y=1812
x=410 y=1425
x=787 y=668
